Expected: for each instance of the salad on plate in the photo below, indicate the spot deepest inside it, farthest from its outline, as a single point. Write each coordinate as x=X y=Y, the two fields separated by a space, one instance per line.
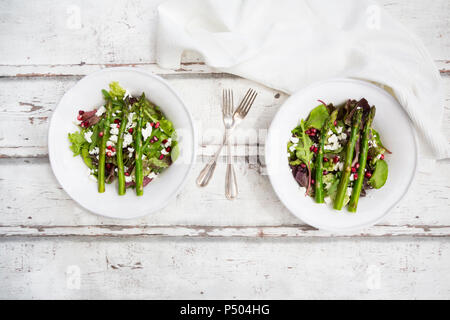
x=336 y=155
x=127 y=139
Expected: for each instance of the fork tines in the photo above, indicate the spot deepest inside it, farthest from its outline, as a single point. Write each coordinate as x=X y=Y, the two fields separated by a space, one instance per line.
x=247 y=102
x=227 y=101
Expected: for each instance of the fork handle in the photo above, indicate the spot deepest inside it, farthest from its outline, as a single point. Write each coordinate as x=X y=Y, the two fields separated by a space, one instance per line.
x=231 y=188
x=206 y=174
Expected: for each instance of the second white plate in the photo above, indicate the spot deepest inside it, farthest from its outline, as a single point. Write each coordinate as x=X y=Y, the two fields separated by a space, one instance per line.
x=396 y=132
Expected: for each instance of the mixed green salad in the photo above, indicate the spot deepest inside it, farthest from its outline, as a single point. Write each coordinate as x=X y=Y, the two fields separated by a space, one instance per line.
x=336 y=155
x=127 y=138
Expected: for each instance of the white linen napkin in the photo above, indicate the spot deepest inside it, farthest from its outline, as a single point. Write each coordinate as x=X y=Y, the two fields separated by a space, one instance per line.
x=288 y=44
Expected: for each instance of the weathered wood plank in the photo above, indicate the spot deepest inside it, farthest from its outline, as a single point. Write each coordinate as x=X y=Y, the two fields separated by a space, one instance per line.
x=294 y=231
x=24 y=117
x=156 y=268
x=33 y=203
x=72 y=32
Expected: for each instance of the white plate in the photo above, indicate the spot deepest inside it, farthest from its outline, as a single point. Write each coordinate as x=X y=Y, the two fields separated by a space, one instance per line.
x=72 y=173
x=397 y=135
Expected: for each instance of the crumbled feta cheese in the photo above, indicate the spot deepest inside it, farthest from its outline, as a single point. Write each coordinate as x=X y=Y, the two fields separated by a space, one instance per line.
x=152 y=175
x=339 y=129
x=330 y=132
x=340 y=166
x=379 y=156
x=126 y=95
x=94 y=151
x=113 y=138
x=88 y=135
x=168 y=143
x=327 y=200
x=114 y=131
x=127 y=140
x=164 y=152
x=109 y=143
x=292 y=148
x=351 y=177
x=147 y=132
x=128 y=179
x=100 y=111
x=349 y=191
x=333 y=139
x=295 y=140
x=343 y=136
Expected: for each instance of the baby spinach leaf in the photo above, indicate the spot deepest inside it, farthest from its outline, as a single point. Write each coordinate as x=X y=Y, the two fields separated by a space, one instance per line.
x=380 y=174
x=317 y=117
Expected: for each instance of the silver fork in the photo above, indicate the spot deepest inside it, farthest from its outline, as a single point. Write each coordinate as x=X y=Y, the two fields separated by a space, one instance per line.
x=206 y=174
x=231 y=188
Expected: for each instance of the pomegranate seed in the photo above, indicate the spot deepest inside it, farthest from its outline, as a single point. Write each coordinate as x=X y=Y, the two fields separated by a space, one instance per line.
x=82 y=125
x=382 y=157
x=108 y=165
x=353 y=169
x=369 y=157
x=155 y=138
x=81 y=112
x=100 y=133
x=109 y=147
x=335 y=123
x=116 y=121
x=311 y=148
x=336 y=159
x=314 y=130
x=152 y=124
x=127 y=174
x=168 y=149
x=109 y=154
x=357 y=165
x=303 y=165
x=307 y=132
x=113 y=149
x=164 y=141
x=325 y=172
x=316 y=149
x=161 y=157
x=325 y=159
x=79 y=117
x=157 y=125
x=130 y=130
x=355 y=176
x=312 y=181
x=368 y=174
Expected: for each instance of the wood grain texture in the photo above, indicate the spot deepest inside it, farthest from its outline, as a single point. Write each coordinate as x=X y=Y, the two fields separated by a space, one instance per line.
x=201 y=245
x=225 y=269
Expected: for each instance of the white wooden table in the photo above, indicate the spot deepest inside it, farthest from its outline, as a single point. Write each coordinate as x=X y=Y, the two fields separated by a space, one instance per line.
x=201 y=245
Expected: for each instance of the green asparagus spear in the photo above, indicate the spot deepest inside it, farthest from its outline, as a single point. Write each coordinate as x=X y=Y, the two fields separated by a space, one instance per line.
x=357 y=185
x=318 y=186
x=102 y=152
x=350 y=148
x=138 y=170
x=119 y=147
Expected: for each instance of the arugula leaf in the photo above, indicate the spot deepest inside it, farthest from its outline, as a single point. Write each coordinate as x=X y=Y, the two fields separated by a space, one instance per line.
x=77 y=140
x=302 y=150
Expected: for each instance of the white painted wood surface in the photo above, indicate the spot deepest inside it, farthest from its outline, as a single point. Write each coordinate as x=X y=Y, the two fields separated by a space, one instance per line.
x=201 y=245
